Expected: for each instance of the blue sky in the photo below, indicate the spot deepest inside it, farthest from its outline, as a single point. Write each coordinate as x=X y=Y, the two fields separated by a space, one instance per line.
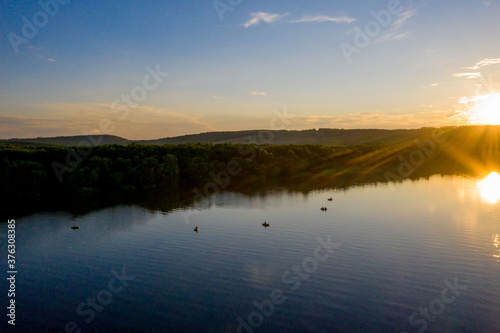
x=234 y=69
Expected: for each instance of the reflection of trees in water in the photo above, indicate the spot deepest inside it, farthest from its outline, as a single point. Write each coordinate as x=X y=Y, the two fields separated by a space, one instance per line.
x=260 y=194
x=239 y=194
x=95 y=227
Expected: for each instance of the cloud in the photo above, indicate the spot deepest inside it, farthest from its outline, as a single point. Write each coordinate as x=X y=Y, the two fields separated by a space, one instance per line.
x=143 y=122
x=471 y=75
x=392 y=36
x=256 y=18
x=393 y=32
x=29 y=127
x=484 y=62
x=403 y=17
x=485 y=83
x=376 y=119
x=336 y=19
x=257 y=93
x=51 y=60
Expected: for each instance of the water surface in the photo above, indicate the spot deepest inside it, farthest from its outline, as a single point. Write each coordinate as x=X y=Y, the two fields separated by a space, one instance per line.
x=396 y=245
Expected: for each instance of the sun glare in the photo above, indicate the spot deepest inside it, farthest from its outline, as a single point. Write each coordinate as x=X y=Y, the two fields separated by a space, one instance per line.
x=487 y=110
x=489 y=188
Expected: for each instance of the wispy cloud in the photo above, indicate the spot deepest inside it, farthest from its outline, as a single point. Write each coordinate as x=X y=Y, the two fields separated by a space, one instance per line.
x=13 y=126
x=430 y=116
x=484 y=62
x=394 y=33
x=403 y=17
x=143 y=122
x=483 y=81
x=471 y=75
x=256 y=18
x=257 y=93
x=479 y=74
x=322 y=18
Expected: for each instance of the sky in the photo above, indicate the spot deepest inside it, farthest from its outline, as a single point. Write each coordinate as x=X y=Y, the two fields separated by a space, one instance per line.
x=153 y=69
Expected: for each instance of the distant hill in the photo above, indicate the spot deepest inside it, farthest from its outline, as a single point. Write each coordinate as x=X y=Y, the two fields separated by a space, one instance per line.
x=76 y=140
x=323 y=136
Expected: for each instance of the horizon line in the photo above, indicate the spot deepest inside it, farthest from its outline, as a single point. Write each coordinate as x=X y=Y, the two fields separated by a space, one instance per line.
x=251 y=130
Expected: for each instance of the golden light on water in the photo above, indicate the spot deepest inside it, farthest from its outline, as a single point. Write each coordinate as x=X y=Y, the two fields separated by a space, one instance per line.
x=496 y=243
x=486 y=110
x=489 y=188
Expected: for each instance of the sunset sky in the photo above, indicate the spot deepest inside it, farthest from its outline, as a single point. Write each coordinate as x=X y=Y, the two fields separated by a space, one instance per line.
x=229 y=67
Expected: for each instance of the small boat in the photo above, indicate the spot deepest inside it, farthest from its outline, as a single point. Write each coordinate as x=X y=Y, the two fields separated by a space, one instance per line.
x=75 y=227
x=265 y=224
x=330 y=199
x=196 y=229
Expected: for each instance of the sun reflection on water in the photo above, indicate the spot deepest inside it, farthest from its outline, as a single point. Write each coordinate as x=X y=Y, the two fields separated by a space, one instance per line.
x=496 y=243
x=489 y=188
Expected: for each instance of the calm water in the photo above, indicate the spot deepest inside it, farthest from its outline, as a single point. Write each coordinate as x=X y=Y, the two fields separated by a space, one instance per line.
x=392 y=248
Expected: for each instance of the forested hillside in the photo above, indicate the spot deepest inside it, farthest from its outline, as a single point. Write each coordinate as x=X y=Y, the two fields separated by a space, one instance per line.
x=335 y=137
x=37 y=173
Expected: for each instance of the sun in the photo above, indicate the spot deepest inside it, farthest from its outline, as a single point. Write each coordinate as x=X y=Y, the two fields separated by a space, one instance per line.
x=486 y=110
